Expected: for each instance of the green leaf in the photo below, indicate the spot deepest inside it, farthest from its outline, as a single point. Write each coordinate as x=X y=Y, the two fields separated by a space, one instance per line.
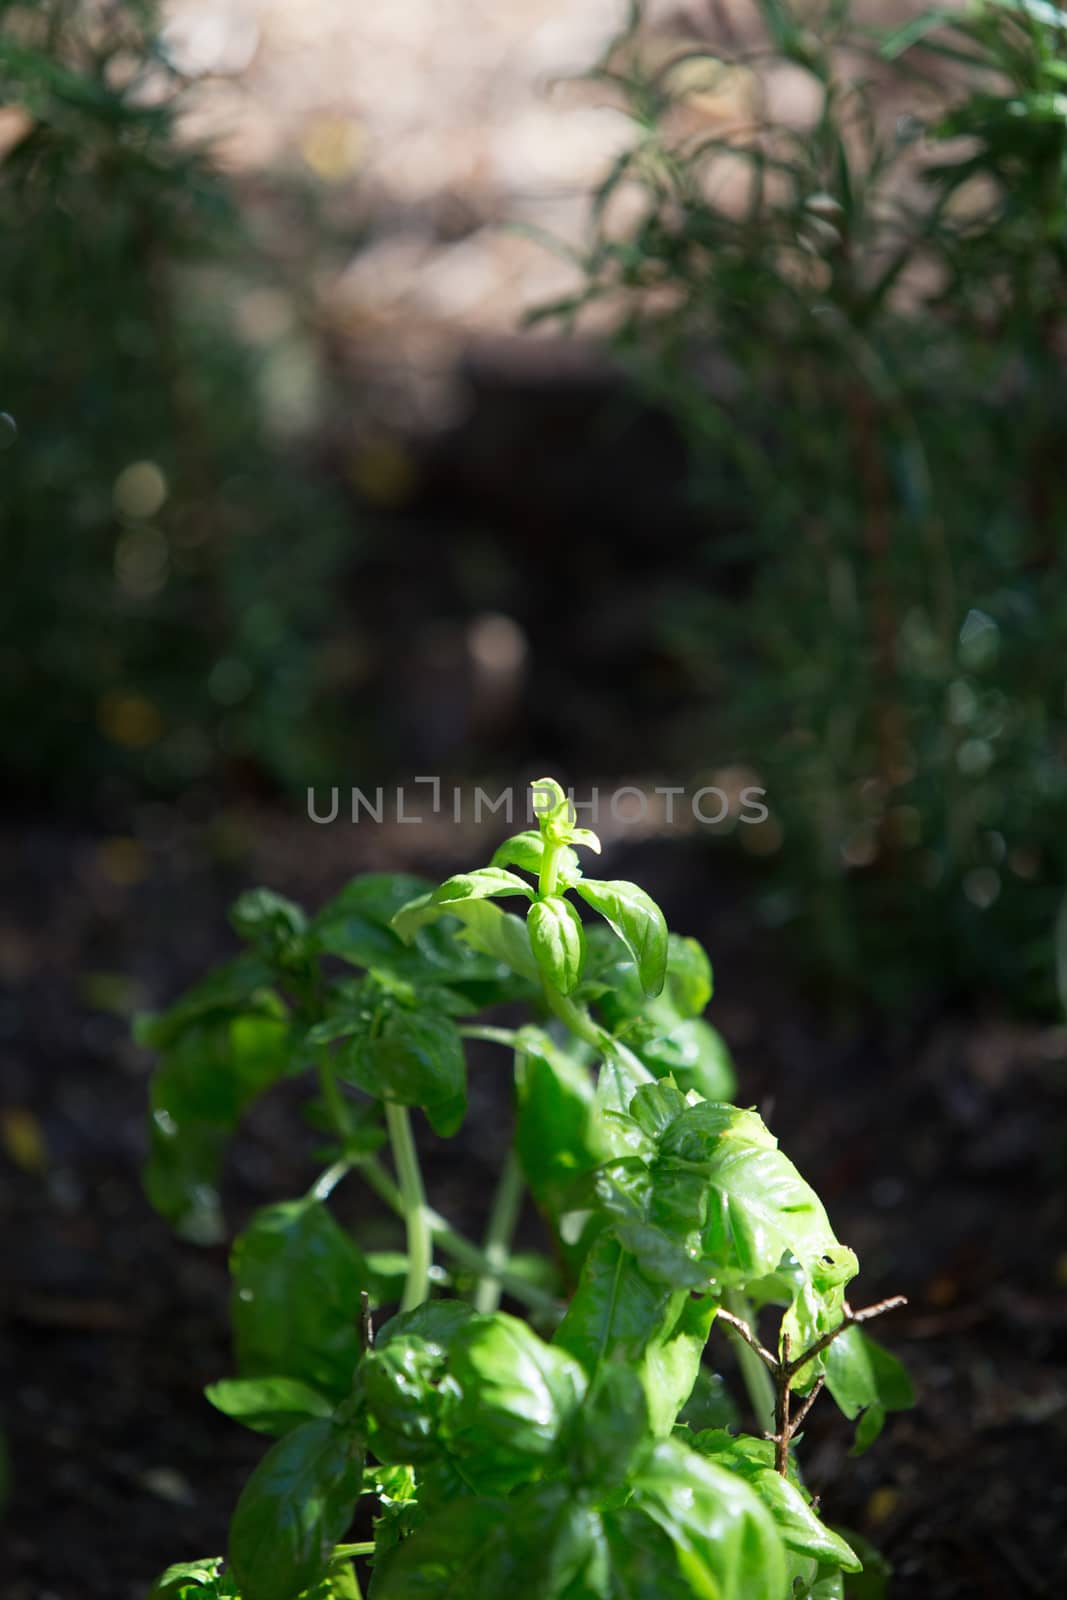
x=637 y=920
x=459 y=890
x=486 y=928
x=194 y=1580
x=873 y=1582
x=555 y=813
x=586 y=838
x=644 y=1563
x=694 y=1054
x=294 y=1508
x=610 y=1428
x=725 y=1540
x=273 y=925
x=541 y=1544
x=210 y=1072
x=416 y=1060
x=755 y=1206
x=356 y=924
x=268 y=1405
x=401 y=1375
x=865 y=1379
x=556 y=1135
x=295 y=1308
x=240 y=986
x=690 y=984
x=557 y=941
x=527 y=850
x=507 y=1399
x=618 y=1314
x=340 y=1583
x=800 y=1528
x=621 y=1074
x=711 y=1405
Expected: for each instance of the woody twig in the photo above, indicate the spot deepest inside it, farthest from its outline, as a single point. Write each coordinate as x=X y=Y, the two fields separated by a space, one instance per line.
x=783 y=1370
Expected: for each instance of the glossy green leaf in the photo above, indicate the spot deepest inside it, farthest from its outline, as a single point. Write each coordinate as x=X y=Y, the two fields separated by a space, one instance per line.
x=637 y=920
x=485 y=928
x=195 y=1580
x=556 y=1135
x=725 y=1540
x=416 y=1060
x=268 y=1405
x=800 y=1528
x=865 y=1379
x=295 y=1308
x=460 y=889
x=541 y=1544
x=618 y=1314
x=357 y=926
x=641 y=1559
x=586 y=838
x=401 y=1375
x=690 y=983
x=508 y=1398
x=610 y=1428
x=294 y=1508
x=759 y=1208
x=557 y=941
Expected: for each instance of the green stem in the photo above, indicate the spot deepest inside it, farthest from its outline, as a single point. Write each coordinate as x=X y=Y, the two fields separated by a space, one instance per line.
x=331 y=1094
x=327 y=1181
x=546 y=878
x=576 y=1018
x=502 y=1219
x=366 y=1547
x=759 y=1385
x=420 y=1240
x=504 y=1036
x=454 y=1244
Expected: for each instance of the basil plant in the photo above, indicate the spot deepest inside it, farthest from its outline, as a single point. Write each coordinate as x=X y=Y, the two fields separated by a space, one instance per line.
x=427 y=1443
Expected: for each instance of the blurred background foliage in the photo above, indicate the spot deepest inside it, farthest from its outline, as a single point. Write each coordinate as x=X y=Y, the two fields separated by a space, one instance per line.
x=168 y=555
x=859 y=325
x=813 y=536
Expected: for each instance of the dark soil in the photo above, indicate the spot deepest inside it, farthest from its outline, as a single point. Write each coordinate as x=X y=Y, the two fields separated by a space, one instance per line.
x=938 y=1142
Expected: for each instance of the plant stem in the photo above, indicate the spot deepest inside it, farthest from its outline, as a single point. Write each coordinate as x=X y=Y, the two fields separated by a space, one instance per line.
x=759 y=1385
x=454 y=1244
x=420 y=1240
x=331 y=1093
x=504 y=1036
x=502 y=1219
x=546 y=878
x=575 y=1017
x=327 y=1181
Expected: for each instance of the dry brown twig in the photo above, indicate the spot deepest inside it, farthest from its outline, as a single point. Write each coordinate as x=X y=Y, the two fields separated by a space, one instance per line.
x=784 y=1371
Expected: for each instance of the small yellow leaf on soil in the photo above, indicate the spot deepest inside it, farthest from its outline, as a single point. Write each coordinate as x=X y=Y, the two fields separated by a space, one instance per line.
x=23 y=1141
x=881 y=1505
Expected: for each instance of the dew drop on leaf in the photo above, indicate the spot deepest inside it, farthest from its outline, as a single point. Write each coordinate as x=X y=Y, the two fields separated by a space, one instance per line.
x=9 y=430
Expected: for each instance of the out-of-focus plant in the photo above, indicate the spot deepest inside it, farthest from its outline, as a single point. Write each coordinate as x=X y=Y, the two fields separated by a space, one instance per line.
x=859 y=325
x=168 y=564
